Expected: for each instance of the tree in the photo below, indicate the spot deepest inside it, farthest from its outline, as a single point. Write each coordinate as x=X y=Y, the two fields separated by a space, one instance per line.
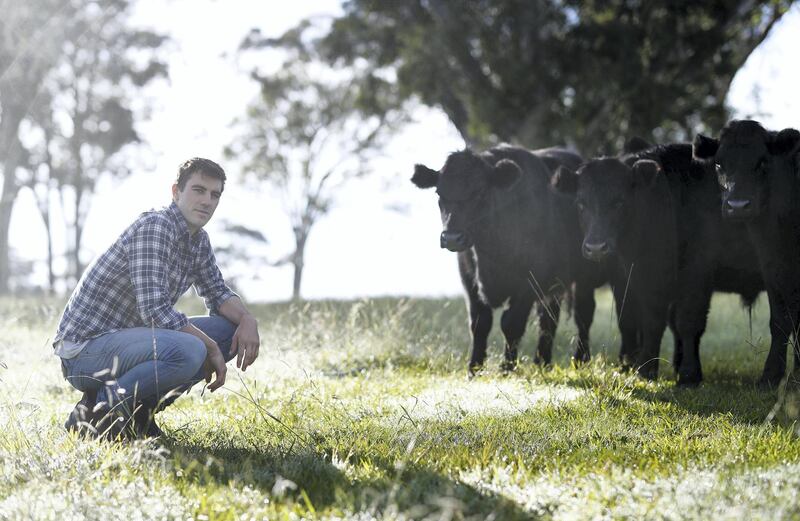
x=544 y=72
x=92 y=89
x=311 y=131
x=81 y=120
x=31 y=34
x=42 y=178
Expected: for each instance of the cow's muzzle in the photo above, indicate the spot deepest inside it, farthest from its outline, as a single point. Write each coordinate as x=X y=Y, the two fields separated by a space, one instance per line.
x=455 y=241
x=739 y=209
x=596 y=251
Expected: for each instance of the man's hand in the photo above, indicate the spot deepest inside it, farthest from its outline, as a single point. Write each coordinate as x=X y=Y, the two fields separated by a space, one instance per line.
x=245 y=342
x=215 y=365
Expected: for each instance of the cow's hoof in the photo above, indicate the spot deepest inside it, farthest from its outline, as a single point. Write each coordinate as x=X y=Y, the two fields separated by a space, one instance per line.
x=689 y=380
x=647 y=373
x=474 y=371
x=508 y=366
x=626 y=364
x=769 y=382
x=580 y=358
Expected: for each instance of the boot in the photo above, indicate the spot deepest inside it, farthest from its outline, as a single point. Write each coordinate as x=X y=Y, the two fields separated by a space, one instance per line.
x=82 y=419
x=114 y=423
x=144 y=421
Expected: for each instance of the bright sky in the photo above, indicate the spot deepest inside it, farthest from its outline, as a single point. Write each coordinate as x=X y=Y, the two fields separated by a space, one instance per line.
x=364 y=247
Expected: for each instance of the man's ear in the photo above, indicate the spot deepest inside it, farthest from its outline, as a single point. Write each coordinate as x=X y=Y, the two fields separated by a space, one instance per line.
x=424 y=177
x=504 y=174
x=564 y=181
x=783 y=142
x=174 y=191
x=645 y=173
x=704 y=147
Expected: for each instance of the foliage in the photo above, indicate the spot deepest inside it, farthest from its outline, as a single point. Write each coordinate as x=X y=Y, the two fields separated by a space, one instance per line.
x=31 y=34
x=311 y=131
x=90 y=119
x=74 y=116
x=361 y=410
x=545 y=72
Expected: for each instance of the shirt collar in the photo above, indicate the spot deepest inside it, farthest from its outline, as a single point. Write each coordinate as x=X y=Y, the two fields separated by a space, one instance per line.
x=177 y=217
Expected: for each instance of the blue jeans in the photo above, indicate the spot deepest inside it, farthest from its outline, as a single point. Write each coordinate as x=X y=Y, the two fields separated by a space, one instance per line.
x=144 y=365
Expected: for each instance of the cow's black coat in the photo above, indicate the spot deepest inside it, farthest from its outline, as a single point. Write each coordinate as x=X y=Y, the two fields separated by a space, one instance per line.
x=672 y=249
x=758 y=172
x=517 y=243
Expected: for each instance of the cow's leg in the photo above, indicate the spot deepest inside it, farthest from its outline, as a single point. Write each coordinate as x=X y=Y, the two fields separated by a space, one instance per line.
x=796 y=348
x=677 y=353
x=653 y=323
x=780 y=327
x=549 y=312
x=480 y=324
x=691 y=318
x=584 y=315
x=480 y=314
x=628 y=321
x=513 y=323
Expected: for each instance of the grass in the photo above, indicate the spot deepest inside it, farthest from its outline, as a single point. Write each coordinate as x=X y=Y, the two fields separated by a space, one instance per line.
x=362 y=410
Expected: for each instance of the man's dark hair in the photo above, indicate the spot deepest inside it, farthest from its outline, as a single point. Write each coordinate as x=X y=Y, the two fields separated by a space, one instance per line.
x=199 y=164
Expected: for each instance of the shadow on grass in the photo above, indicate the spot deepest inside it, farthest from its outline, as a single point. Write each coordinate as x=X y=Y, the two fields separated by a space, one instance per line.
x=415 y=490
x=734 y=394
x=743 y=402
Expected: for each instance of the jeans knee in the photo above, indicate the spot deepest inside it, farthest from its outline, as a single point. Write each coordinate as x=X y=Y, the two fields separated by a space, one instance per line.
x=194 y=355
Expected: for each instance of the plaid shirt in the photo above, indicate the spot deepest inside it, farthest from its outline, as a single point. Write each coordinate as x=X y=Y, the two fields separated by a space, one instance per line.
x=138 y=280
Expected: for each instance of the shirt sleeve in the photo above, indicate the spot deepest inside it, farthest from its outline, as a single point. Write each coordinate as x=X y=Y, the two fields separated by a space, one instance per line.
x=148 y=263
x=208 y=281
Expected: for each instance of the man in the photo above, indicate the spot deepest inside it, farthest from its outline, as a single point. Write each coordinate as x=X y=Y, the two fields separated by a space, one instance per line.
x=120 y=339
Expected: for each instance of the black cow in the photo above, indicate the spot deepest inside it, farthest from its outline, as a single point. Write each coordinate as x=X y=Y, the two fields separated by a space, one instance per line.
x=656 y=212
x=758 y=172
x=515 y=242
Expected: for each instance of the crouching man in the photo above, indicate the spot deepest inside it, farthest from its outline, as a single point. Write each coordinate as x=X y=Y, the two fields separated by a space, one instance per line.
x=121 y=341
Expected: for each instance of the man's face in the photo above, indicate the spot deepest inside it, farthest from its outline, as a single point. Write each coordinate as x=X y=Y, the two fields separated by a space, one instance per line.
x=198 y=199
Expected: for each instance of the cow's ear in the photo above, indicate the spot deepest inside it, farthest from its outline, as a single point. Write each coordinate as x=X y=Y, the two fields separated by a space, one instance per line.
x=645 y=172
x=635 y=144
x=783 y=142
x=704 y=147
x=424 y=177
x=564 y=181
x=504 y=174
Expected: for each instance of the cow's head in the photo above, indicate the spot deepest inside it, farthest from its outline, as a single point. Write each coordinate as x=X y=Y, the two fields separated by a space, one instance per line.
x=605 y=193
x=742 y=157
x=635 y=144
x=464 y=185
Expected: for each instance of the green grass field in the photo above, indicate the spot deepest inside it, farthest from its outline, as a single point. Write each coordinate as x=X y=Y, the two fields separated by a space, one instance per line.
x=362 y=410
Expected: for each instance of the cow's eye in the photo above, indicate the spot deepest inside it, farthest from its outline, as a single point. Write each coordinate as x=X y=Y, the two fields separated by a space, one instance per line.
x=761 y=167
x=581 y=205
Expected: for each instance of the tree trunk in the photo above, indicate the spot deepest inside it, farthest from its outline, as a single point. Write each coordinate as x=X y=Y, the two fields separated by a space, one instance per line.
x=51 y=276
x=10 y=191
x=10 y=158
x=44 y=212
x=301 y=236
x=77 y=233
